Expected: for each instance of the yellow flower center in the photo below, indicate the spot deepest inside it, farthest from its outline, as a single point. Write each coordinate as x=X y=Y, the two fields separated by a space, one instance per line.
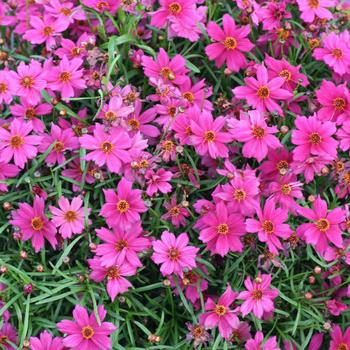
x=123 y=206
x=323 y=225
x=87 y=332
x=70 y=215
x=230 y=43
x=263 y=92
x=37 y=223
x=16 y=141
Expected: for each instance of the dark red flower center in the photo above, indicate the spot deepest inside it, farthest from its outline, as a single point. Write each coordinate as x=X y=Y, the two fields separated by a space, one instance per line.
x=174 y=254
x=258 y=132
x=263 y=92
x=339 y=104
x=70 y=215
x=268 y=226
x=16 y=141
x=37 y=223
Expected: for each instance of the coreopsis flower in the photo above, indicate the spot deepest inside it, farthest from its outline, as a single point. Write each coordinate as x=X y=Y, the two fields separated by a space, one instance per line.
x=174 y=254
x=313 y=138
x=66 y=11
x=221 y=230
x=315 y=8
x=103 y=5
x=272 y=14
x=122 y=209
x=69 y=217
x=270 y=225
x=121 y=247
x=158 y=181
x=258 y=343
x=343 y=135
x=197 y=334
x=338 y=253
x=7 y=171
x=324 y=227
x=220 y=314
x=176 y=213
x=257 y=137
x=262 y=92
x=169 y=70
x=114 y=111
x=85 y=331
x=277 y=163
x=110 y=148
x=259 y=296
x=34 y=224
x=241 y=333
x=67 y=77
x=339 y=340
x=6 y=87
x=8 y=332
x=230 y=44
x=115 y=274
x=197 y=94
x=46 y=341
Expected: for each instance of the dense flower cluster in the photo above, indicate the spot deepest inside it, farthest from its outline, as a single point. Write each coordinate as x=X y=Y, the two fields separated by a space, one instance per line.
x=175 y=166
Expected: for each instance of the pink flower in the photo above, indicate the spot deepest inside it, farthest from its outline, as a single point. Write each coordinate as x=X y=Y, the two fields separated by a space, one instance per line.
x=313 y=138
x=115 y=111
x=277 y=164
x=325 y=226
x=343 y=135
x=67 y=77
x=262 y=92
x=256 y=135
x=335 y=51
x=208 y=137
x=7 y=171
x=7 y=332
x=121 y=247
x=231 y=44
x=315 y=8
x=46 y=342
x=29 y=81
x=258 y=343
x=171 y=71
x=108 y=148
x=122 y=209
x=272 y=14
x=340 y=341
x=335 y=101
x=174 y=253
x=176 y=213
x=34 y=224
x=259 y=296
x=69 y=217
x=115 y=274
x=45 y=30
x=103 y=5
x=336 y=307
x=316 y=341
x=196 y=95
x=340 y=253
x=85 y=332
x=158 y=181
x=16 y=143
x=221 y=230
x=220 y=314
x=6 y=87
x=270 y=226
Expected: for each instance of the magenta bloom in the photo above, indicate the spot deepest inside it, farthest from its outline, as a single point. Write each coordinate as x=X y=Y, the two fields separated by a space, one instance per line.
x=313 y=138
x=46 y=342
x=340 y=341
x=8 y=332
x=6 y=87
x=256 y=135
x=158 y=181
x=34 y=224
x=335 y=101
x=121 y=247
x=231 y=44
x=108 y=148
x=258 y=343
x=85 y=332
x=262 y=93
x=122 y=209
x=103 y=6
x=115 y=111
x=174 y=253
x=175 y=212
x=69 y=217
x=221 y=230
x=343 y=134
x=325 y=226
x=115 y=274
x=208 y=137
x=171 y=71
x=29 y=81
x=315 y=8
x=270 y=225
x=259 y=296
x=67 y=77
x=7 y=171
x=220 y=314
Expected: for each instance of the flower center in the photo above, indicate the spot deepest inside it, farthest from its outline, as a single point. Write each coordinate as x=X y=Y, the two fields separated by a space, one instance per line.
x=121 y=244
x=209 y=136
x=144 y=164
x=315 y=138
x=102 y=5
x=113 y=273
x=30 y=113
x=342 y=346
x=258 y=132
x=110 y=116
x=189 y=96
x=3 y=339
x=346 y=178
x=16 y=141
x=59 y=146
x=174 y=254
x=175 y=8
x=168 y=146
x=263 y=92
x=190 y=277
x=197 y=331
x=48 y=31
x=167 y=73
x=70 y=215
x=220 y=310
x=323 y=225
x=37 y=223
x=27 y=82
x=123 y=206
x=87 y=332
x=239 y=195
x=282 y=166
x=337 y=53
x=134 y=124
x=286 y=189
x=222 y=229
x=285 y=73
x=267 y=226
x=66 y=11
x=107 y=147
x=172 y=111
x=174 y=211
x=188 y=131
x=339 y=104
x=314 y=4
x=3 y=88
x=257 y=294
x=230 y=43
x=65 y=76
